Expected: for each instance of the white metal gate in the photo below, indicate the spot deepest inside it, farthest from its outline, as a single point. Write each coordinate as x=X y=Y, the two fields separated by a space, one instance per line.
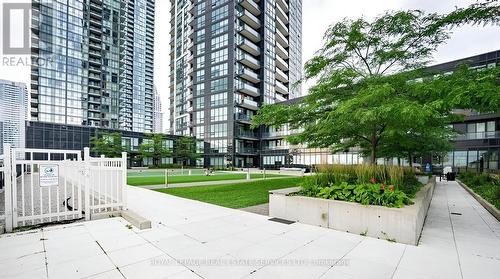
x=42 y=186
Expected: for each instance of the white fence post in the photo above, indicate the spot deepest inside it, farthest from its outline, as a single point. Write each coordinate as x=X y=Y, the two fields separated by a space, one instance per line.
x=86 y=179
x=124 y=180
x=8 y=188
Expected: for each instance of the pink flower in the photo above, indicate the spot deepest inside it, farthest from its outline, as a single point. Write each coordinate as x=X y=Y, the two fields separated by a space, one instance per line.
x=373 y=180
x=391 y=189
x=382 y=186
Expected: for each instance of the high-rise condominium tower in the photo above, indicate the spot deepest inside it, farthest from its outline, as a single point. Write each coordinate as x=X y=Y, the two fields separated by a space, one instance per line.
x=228 y=58
x=13 y=103
x=93 y=63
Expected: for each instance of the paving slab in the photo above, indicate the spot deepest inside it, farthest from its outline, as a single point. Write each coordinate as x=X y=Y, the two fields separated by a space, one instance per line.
x=191 y=239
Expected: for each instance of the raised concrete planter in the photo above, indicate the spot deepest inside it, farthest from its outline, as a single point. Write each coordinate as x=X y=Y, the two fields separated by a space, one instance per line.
x=402 y=225
x=487 y=205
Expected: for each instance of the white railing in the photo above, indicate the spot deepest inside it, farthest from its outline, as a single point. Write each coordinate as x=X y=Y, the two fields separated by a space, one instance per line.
x=79 y=188
x=107 y=181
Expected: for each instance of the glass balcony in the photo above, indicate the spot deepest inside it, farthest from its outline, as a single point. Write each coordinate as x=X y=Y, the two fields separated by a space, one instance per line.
x=281 y=14
x=281 y=88
x=248 y=74
x=281 y=76
x=283 y=5
x=248 y=46
x=243 y=118
x=246 y=134
x=251 y=6
x=247 y=89
x=281 y=51
x=479 y=136
x=247 y=60
x=248 y=18
x=247 y=31
x=246 y=150
x=280 y=38
x=282 y=64
x=281 y=26
x=275 y=134
x=248 y=104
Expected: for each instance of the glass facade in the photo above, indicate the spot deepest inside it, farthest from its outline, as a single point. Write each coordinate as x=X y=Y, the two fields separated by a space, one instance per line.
x=78 y=77
x=225 y=66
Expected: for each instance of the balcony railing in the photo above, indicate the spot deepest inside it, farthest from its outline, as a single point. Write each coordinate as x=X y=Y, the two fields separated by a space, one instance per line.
x=479 y=135
x=282 y=26
x=281 y=63
x=281 y=14
x=243 y=117
x=248 y=74
x=247 y=31
x=248 y=18
x=247 y=45
x=283 y=5
x=281 y=88
x=280 y=38
x=248 y=60
x=275 y=134
x=246 y=150
x=251 y=6
x=281 y=76
x=248 y=104
x=247 y=89
x=246 y=134
x=281 y=51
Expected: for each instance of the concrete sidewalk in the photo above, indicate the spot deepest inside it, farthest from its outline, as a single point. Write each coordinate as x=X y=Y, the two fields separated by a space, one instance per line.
x=239 y=244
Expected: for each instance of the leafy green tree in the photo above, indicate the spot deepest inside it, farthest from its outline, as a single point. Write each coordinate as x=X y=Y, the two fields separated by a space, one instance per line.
x=372 y=90
x=153 y=146
x=107 y=144
x=185 y=150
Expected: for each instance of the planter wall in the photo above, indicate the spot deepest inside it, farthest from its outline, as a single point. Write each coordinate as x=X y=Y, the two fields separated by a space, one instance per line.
x=402 y=225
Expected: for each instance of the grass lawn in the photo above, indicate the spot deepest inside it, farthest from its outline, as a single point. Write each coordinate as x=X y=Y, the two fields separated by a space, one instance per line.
x=234 y=195
x=156 y=180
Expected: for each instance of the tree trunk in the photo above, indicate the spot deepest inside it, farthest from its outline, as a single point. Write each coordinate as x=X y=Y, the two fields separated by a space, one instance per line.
x=373 y=154
x=399 y=162
x=410 y=159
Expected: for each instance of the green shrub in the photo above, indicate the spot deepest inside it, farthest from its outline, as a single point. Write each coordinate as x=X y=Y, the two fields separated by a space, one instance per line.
x=485 y=185
x=367 y=194
x=365 y=184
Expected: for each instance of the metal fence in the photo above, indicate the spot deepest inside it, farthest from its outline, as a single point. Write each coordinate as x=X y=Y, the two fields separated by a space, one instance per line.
x=43 y=186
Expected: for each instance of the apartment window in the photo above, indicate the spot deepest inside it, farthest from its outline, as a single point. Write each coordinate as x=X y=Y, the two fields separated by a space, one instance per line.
x=199 y=89
x=218 y=130
x=220 y=13
x=199 y=132
x=200 y=62
x=200 y=35
x=218 y=146
x=218 y=99
x=219 y=70
x=200 y=75
x=200 y=22
x=200 y=48
x=200 y=8
x=199 y=103
x=219 y=56
x=218 y=114
x=219 y=27
x=218 y=85
x=200 y=117
x=220 y=41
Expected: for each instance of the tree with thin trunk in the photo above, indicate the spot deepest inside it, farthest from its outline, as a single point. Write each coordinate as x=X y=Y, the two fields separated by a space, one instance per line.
x=371 y=87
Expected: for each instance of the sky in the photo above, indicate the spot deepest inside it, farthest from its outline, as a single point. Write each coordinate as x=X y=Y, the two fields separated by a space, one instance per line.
x=317 y=16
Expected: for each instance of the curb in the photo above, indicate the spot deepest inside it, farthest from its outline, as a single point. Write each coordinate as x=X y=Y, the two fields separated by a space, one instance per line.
x=488 y=206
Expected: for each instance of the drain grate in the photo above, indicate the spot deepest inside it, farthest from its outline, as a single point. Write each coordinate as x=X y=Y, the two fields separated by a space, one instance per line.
x=283 y=221
x=456 y=213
